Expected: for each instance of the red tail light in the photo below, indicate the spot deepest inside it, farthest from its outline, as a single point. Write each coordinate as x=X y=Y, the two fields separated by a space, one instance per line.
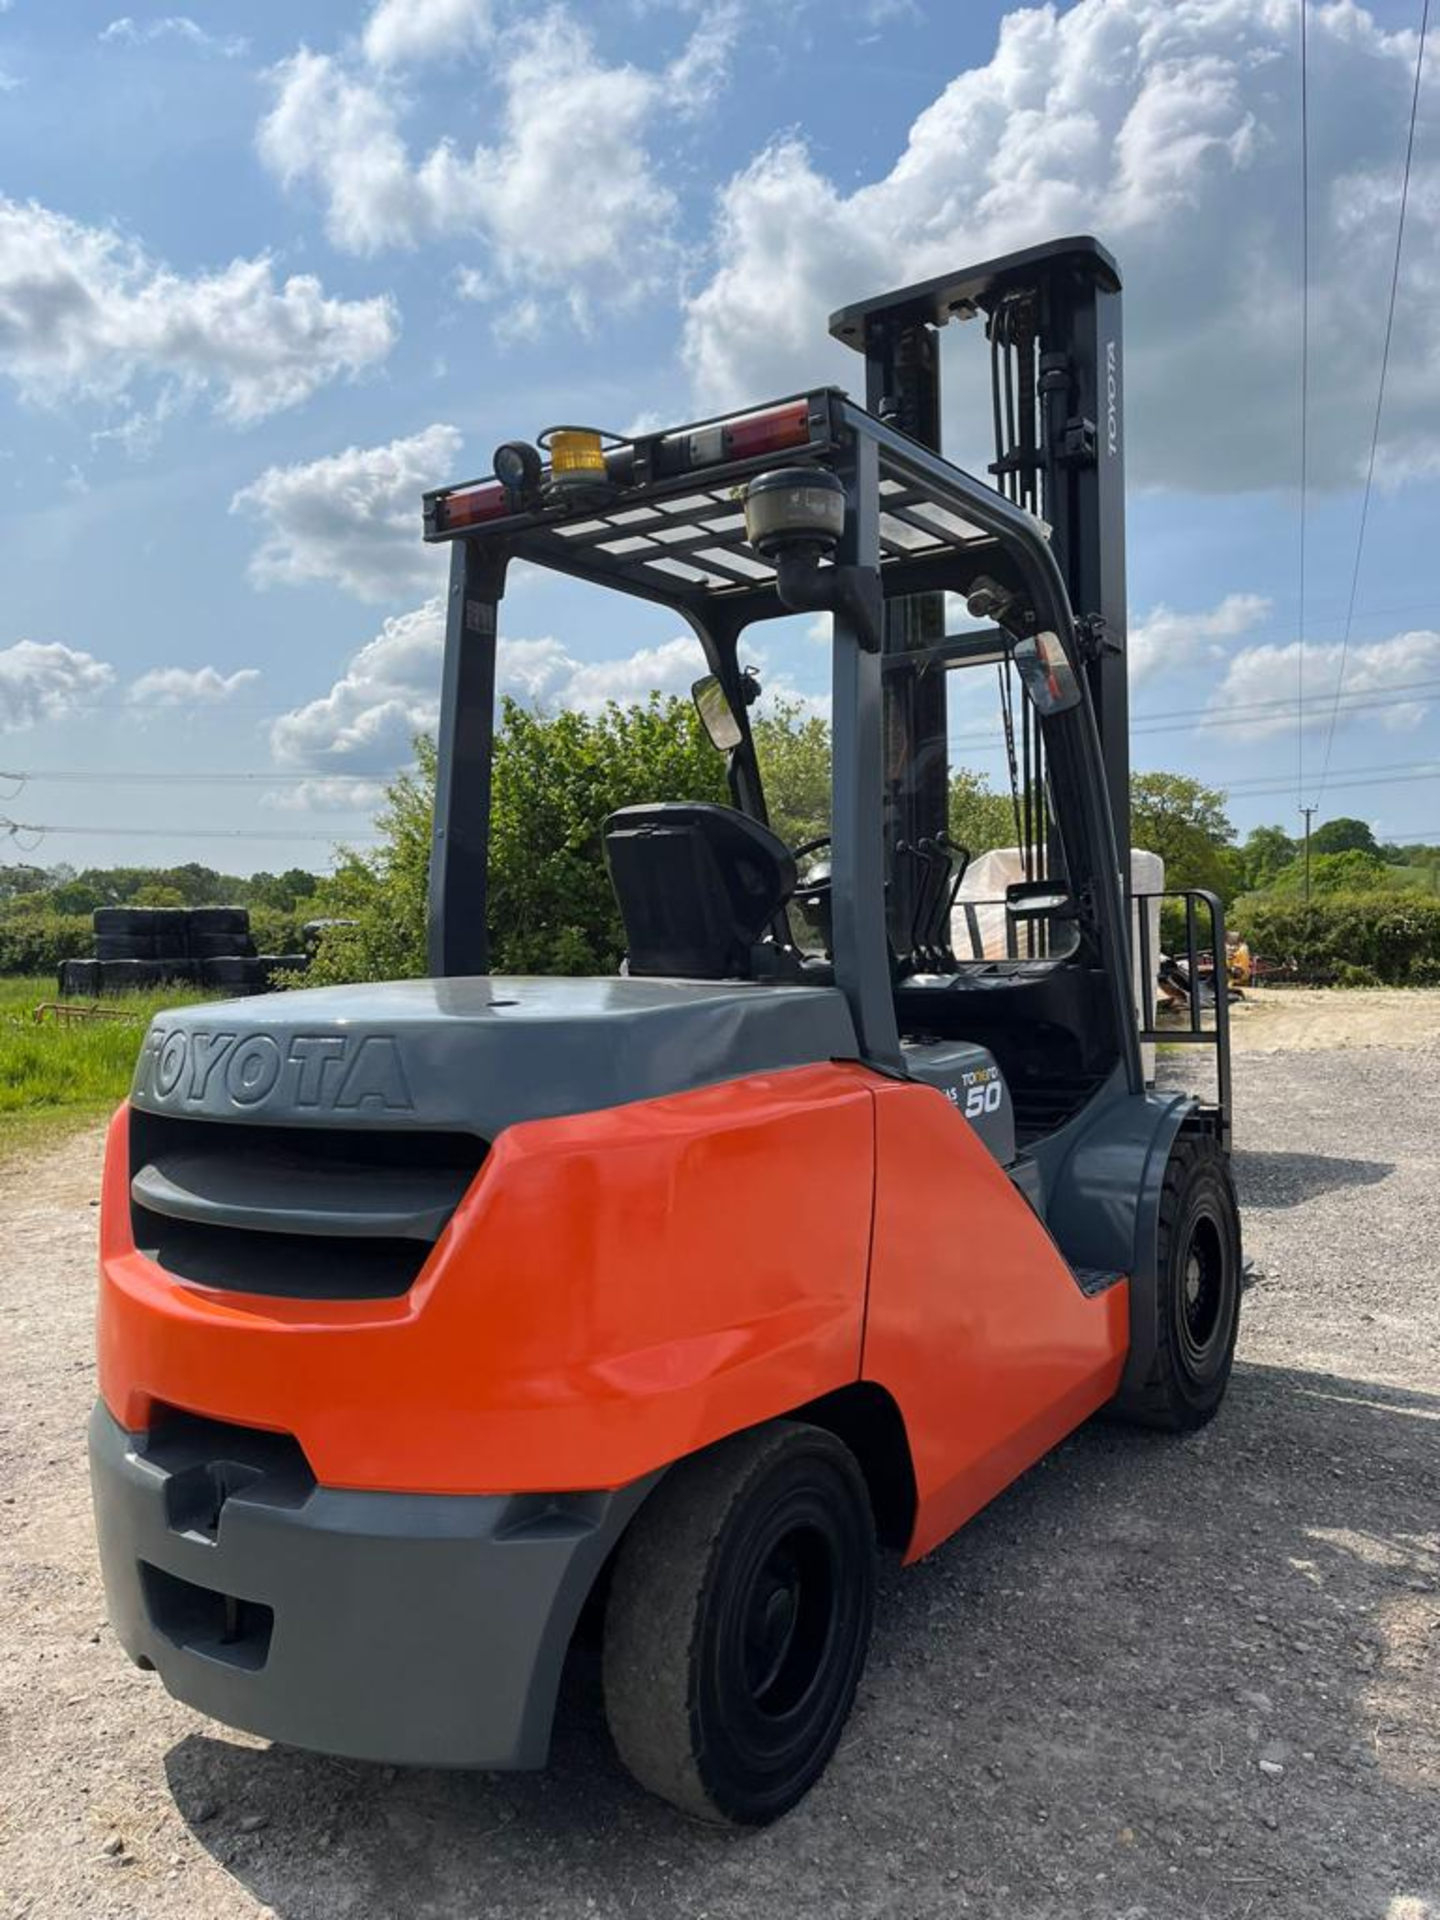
x=471 y=508
x=787 y=426
x=741 y=438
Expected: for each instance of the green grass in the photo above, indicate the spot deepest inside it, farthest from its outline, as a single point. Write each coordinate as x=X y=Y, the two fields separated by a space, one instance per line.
x=56 y=1076
x=1414 y=879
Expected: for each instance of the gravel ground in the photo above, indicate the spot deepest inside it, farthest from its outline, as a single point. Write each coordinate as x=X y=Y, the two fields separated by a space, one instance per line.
x=1156 y=1680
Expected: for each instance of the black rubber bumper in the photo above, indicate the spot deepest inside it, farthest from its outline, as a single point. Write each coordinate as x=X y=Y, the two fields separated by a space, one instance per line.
x=415 y=1629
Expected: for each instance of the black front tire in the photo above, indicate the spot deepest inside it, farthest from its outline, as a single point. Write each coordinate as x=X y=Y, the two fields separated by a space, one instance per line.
x=1197 y=1278
x=738 y=1622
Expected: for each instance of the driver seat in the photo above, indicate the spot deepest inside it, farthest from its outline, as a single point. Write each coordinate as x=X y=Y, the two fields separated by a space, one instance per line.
x=698 y=887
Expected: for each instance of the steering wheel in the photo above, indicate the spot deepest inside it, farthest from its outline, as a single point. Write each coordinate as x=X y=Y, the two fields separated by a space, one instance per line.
x=821 y=883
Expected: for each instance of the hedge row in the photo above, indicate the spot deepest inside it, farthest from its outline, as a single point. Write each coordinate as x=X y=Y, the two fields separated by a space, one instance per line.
x=277 y=932
x=38 y=942
x=1358 y=939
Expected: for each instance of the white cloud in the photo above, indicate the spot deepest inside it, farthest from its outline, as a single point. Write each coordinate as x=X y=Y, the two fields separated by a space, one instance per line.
x=85 y=311
x=402 y=32
x=1166 y=639
x=1170 y=131
x=352 y=518
x=1261 y=684
x=341 y=134
x=568 y=196
x=698 y=77
x=190 y=686
x=326 y=794
x=173 y=26
x=390 y=691
x=471 y=285
x=589 y=685
x=45 y=680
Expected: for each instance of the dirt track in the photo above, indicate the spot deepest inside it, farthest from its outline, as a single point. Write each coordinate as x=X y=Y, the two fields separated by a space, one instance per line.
x=1300 y=1019
x=1157 y=1680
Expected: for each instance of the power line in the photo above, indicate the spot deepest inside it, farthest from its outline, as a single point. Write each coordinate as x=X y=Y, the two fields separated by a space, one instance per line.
x=11 y=829
x=1361 y=703
x=1285 y=704
x=1241 y=790
x=1381 y=770
x=1304 y=387
x=161 y=776
x=1244 y=713
x=1379 y=392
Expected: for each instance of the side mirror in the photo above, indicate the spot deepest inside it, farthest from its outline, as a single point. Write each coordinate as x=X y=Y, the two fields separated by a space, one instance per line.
x=1046 y=673
x=716 y=714
x=1039 y=900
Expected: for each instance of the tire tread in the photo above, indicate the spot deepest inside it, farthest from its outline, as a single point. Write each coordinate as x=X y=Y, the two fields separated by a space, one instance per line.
x=1154 y=1402
x=654 y=1615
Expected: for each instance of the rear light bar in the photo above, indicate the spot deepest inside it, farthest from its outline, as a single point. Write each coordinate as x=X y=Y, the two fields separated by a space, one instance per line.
x=470 y=506
x=745 y=436
x=741 y=438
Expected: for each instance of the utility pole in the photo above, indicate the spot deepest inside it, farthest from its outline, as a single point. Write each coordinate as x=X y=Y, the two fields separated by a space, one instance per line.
x=1309 y=813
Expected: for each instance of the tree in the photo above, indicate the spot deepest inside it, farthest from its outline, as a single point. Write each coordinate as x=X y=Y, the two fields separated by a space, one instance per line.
x=793 y=749
x=980 y=818
x=382 y=893
x=1344 y=836
x=555 y=779
x=1410 y=853
x=1353 y=871
x=16 y=881
x=283 y=892
x=1186 y=824
x=1266 y=852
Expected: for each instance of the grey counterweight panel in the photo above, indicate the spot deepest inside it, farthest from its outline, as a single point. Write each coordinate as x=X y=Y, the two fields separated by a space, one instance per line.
x=423 y=1629
x=973 y=1084
x=477 y=1054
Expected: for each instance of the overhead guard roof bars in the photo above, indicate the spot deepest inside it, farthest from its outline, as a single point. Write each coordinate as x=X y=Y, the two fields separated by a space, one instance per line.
x=678 y=537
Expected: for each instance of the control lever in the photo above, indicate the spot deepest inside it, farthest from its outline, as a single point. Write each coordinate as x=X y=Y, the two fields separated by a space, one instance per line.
x=922 y=853
x=959 y=858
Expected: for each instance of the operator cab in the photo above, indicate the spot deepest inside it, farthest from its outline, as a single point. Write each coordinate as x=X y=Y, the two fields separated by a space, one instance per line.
x=993 y=965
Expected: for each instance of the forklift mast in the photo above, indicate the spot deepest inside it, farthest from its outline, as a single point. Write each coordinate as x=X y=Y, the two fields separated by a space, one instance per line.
x=1052 y=318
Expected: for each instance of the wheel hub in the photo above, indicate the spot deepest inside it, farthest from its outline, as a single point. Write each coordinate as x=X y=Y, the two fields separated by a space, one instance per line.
x=787 y=1619
x=1201 y=1293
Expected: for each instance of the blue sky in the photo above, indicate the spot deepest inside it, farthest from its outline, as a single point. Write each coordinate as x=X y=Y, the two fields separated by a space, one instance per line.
x=266 y=273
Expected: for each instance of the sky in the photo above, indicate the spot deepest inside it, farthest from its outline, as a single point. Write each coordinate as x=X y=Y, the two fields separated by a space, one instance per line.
x=268 y=273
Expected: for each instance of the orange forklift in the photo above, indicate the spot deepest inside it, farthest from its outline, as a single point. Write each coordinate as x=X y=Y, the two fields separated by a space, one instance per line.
x=445 y=1321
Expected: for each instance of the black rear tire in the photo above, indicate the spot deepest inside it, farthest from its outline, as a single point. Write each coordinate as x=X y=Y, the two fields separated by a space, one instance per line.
x=139 y=976
x=1198 y=1276
x=738 y=1622
x=140 y=946
x=132 y=921
x=233 y=970
x=222 y=946
x=79 y=979
x=210 y=923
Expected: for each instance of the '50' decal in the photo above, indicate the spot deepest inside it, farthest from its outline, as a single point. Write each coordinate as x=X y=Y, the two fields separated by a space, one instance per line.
x=981 y=1093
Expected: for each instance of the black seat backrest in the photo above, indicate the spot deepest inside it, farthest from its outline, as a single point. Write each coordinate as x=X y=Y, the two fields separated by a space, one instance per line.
x=698 y=885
